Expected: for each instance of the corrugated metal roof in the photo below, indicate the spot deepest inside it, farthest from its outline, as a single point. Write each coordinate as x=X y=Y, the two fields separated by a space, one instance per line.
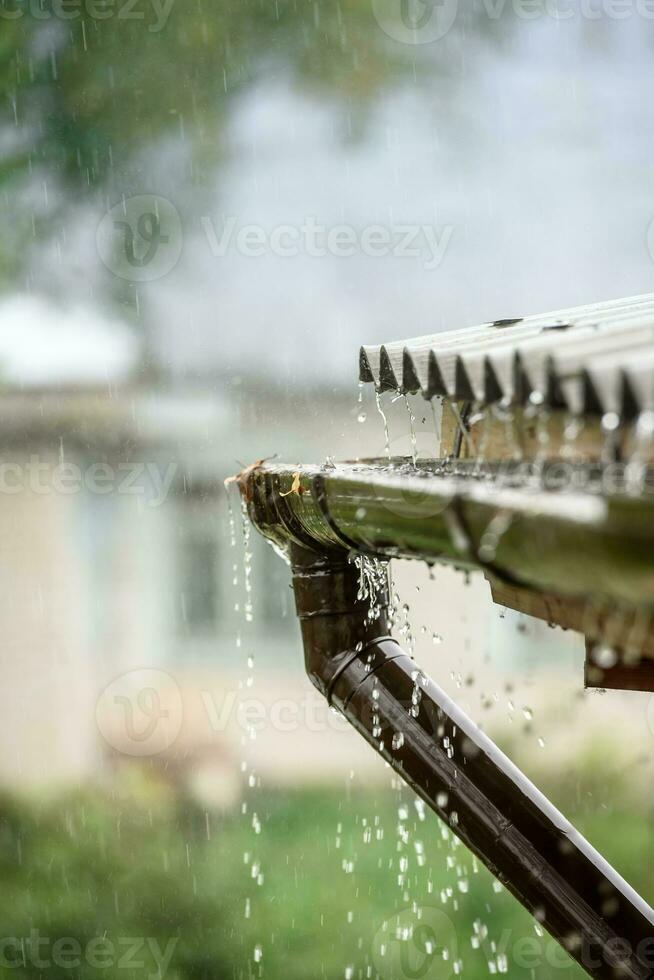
x=591 y=359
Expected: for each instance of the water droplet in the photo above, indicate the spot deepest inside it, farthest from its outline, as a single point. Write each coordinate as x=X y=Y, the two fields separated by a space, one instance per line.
x=604 y=656
x=398 y=740
x=610 y=421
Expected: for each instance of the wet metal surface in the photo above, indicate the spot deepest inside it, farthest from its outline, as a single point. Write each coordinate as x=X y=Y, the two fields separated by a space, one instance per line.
x=592 y=359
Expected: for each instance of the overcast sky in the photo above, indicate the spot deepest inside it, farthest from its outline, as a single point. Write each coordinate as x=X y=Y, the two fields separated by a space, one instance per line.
x=527 y=180
x=540 y=165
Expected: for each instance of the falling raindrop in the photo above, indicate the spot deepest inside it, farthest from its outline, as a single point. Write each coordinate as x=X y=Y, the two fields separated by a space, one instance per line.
x=247 y=560
x=437 y=413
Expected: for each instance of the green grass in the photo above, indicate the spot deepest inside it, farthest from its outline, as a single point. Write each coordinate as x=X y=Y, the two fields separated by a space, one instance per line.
x=123 y=867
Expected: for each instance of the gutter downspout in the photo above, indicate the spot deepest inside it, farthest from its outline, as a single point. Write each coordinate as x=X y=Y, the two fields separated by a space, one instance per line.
x=454 y=767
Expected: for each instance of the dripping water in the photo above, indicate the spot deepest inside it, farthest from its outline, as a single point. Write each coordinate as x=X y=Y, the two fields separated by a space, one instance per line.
x=610 y=426
x=437 y=413
x=412 y=430
x=387 y=438
x=252 y=863
x=247 y=561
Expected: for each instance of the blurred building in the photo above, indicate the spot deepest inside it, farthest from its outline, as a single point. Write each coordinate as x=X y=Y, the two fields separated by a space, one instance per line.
x=122 y=563
x=126 y=624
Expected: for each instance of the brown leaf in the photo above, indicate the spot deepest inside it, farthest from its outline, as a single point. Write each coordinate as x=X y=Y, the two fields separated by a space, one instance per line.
x=242 y=478
x=295 y=487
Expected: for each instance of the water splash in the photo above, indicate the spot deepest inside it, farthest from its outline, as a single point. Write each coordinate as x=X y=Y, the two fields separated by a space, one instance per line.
x=373 y=582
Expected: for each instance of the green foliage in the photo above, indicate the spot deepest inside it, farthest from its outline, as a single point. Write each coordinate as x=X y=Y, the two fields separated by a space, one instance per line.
x=106 y=89
x=94 y=865
x=88 y=100
x=90 y=90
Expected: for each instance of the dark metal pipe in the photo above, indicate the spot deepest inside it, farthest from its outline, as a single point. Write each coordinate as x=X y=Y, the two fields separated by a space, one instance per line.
x=456 y=769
